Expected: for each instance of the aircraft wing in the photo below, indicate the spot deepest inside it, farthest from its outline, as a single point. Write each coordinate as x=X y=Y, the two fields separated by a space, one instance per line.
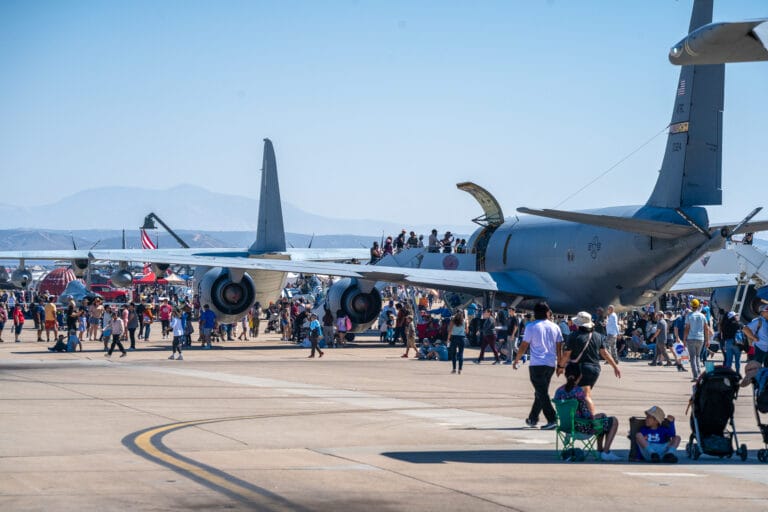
x=444 y=279
x=696 y=281
x=81 y=254
x=653 y=228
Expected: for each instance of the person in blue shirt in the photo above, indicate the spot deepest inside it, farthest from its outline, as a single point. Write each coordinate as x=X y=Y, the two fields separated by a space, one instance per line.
x=207 y=324
x=315 y=332
x=657 y=439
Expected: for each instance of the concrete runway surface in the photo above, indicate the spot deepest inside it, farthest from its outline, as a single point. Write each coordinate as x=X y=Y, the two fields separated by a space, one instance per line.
x=259 y=426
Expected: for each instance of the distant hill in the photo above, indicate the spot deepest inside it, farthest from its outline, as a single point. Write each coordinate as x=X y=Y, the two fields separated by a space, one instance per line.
x=183 y=207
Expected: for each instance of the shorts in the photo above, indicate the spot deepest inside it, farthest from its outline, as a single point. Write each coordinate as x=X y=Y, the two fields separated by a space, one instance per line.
x=50 y=325
x=207 y=331
x=589 y=374
x=166 y=324
x=94 y=321
x=660 y=448
x=17 y=329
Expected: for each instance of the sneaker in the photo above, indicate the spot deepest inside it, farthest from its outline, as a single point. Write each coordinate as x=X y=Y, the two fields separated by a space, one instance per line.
x=124 y=354
x=453 y=371
x=530 y=423
x=180 y=358
x=171 y=357
x=655 y=457
x=459 y=372
x=670 y=458
x=476 y=361
x=549 y=426
x=107 y=354
x=609 y=457
x=496 y=362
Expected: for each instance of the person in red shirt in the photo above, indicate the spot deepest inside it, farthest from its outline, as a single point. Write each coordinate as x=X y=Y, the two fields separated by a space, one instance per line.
x=165 y=317
x=18 y=321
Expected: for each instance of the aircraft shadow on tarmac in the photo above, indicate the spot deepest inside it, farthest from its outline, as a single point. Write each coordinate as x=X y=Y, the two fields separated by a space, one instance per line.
x=535 y=457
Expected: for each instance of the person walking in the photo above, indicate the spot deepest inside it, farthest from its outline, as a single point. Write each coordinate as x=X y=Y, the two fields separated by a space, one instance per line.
x=410 y=337
x=583 y=348
x=730 y=329
x=488 y=337
x=458 y=337
x=696 y=337
x=757 y=332
x=176 y=325
x=315 y=332
x=117 y=328
x=132 y=324
x=545 y=341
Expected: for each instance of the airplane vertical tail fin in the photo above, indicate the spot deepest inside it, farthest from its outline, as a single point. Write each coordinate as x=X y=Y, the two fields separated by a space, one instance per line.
x=270 y=234
x=691 y=172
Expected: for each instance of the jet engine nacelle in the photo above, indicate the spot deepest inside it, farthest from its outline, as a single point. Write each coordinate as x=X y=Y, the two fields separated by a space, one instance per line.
x=160 y=269
x=229 y=298
x=361 y=307
x=723 y=298
x=79 y=267
x=21 y=277
x=121 y=278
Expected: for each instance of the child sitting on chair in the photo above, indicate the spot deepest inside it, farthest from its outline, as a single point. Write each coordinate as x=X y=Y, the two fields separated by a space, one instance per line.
x=657 y=438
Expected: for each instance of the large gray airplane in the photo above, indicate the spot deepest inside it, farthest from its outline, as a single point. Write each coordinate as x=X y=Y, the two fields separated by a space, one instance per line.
x=625 y=256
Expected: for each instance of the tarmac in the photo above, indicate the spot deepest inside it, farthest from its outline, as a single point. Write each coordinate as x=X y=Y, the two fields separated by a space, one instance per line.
x=260 y=426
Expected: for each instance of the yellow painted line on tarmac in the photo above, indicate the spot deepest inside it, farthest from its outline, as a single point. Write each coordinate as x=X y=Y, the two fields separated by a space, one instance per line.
x=149 y=445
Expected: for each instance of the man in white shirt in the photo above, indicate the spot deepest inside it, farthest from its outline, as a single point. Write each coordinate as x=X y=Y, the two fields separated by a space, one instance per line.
x=612 y=332
x=545 y=340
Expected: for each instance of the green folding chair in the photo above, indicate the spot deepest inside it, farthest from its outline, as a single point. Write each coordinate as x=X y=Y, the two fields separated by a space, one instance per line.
x=569 y=436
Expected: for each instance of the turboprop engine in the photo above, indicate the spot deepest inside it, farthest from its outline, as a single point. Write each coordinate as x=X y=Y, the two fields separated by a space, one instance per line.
x=122 y=278
x=79 y=267
x=362 y=307
x=229 y=293
x=21 y=277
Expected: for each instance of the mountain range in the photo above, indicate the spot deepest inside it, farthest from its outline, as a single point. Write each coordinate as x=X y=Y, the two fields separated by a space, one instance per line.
x=183 y=207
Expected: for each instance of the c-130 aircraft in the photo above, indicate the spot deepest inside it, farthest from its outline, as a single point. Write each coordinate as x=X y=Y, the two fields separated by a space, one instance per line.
x=575 y=260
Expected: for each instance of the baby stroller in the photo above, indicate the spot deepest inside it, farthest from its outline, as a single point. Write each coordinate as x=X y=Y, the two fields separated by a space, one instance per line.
x=712 y=406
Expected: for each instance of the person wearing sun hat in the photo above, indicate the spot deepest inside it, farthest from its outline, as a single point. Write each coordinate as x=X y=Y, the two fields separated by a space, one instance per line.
x=583 y=348
x=657 y=439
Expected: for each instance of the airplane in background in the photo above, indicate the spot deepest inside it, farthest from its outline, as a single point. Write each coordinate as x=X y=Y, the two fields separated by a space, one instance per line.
x=229 y=293
x=576 y=260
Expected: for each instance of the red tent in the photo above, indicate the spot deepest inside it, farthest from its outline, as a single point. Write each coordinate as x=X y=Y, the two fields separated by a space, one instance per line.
x=150 y=278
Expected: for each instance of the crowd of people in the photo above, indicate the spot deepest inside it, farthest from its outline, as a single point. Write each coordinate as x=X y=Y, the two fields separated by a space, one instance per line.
x=390 y=245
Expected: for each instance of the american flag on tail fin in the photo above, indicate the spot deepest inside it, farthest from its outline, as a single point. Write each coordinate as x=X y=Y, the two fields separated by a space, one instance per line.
x=146 y=241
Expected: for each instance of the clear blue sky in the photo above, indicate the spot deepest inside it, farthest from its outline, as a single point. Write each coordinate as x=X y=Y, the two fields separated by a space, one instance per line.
x=376 y=109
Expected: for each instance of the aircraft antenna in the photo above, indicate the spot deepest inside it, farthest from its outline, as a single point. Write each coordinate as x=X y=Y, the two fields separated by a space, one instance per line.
x=621 y=161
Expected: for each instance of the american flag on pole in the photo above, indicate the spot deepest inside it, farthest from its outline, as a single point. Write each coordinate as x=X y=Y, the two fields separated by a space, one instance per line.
x=146 y=241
